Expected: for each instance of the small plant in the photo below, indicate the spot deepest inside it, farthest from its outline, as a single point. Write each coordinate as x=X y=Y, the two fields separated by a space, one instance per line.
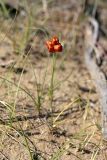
x=53 y=47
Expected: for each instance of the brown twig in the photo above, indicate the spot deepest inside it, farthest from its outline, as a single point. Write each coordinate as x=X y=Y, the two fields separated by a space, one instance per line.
x=95 y=71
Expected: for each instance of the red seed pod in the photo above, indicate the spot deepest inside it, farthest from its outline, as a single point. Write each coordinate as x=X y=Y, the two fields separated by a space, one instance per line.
x=50 y=48
x=49 y=43
x=58 y=48
x=55 y=40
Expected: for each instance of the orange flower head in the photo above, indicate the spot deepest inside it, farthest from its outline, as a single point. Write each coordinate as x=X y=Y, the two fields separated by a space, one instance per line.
x=54 y=45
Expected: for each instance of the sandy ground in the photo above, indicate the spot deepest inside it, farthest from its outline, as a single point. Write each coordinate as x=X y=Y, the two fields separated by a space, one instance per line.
x=77 y=132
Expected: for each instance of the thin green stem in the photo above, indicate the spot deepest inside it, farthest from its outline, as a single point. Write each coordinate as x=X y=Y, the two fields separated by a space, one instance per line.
x=51 y=89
